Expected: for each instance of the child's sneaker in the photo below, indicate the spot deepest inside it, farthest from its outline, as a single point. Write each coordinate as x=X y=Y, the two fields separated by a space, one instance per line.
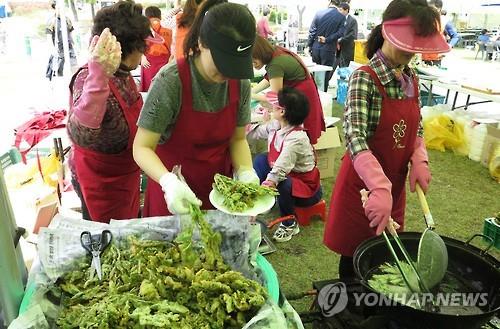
x=284 y=233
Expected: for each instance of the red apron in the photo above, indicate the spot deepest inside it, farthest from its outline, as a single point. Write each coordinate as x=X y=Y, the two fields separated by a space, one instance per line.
x=392 y=144
x=110 y=182
x=199 y=143
x=314 y=124
x=147 y=74
x=304 y=185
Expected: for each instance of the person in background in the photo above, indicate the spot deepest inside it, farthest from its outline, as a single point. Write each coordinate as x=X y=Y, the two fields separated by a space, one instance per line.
x=345 y=45
x=196 y=112
x=383 y=130
x=290 y=165
x=448 y=30
x=3 y=37
x=184 y=20
x=104 y=108
x=157 y=50
x=54 y=33
x=169 y=20
x=293 y=32
x=326 y=28
x=483 y=37
x=263 y=28
x=285 y=68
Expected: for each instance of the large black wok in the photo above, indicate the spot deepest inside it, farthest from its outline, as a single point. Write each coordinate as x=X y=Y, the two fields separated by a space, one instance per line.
x=469 y=264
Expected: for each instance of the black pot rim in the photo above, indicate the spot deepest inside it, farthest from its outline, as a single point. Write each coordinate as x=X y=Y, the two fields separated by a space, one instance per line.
x=467 y=247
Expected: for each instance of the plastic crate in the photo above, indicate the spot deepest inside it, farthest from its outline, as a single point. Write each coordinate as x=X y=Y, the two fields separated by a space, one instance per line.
x=9 y=158
x=492 y=230
x=436 y=99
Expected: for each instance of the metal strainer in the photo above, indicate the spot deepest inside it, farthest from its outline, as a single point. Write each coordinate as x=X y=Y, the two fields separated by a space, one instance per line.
x=432 y=259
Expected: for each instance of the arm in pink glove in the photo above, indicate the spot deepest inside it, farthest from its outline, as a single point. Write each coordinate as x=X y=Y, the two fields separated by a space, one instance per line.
x=419 y=169
x=105 y=57
x=379 y=204
x=89 y=109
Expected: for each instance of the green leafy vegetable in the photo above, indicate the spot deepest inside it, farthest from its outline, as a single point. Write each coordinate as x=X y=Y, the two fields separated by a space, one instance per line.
x=158 y=284
x=239 y=196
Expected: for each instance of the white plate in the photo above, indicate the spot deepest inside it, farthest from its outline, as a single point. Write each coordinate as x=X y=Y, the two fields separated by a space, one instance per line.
x=261 y=205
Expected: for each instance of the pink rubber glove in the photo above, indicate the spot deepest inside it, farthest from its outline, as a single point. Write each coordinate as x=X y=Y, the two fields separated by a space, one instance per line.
x=419 y=169
x=378 y=207
x=269 y=183
x=104 y=59
x=106 y=51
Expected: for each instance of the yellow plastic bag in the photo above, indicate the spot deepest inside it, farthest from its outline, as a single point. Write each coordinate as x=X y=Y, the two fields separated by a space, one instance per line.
x=442 y=132
x=494 y=164
x=49 y=165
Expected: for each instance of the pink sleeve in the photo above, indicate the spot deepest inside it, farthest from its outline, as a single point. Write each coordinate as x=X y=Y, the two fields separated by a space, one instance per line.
x=267 y=28
x=89 y=108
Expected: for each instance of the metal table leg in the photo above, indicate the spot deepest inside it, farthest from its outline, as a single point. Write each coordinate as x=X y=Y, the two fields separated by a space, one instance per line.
x=454 y=100
x=467 y=102
x=429 y=96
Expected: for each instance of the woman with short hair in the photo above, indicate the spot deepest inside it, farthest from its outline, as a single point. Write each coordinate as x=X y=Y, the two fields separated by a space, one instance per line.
x=104 y=109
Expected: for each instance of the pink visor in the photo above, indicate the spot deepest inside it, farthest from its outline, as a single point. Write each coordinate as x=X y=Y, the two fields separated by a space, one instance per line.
x=401 y=34
x=272 y=97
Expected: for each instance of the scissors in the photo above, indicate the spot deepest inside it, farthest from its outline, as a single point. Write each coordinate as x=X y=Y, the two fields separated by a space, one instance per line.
x=95 y=245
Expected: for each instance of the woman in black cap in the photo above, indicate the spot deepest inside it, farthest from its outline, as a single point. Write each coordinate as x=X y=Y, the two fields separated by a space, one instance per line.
x=196 y=111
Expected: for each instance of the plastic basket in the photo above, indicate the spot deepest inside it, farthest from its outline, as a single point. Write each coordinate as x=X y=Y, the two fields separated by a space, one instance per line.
x=270 y=277
x=9 y=158
x=492 y=230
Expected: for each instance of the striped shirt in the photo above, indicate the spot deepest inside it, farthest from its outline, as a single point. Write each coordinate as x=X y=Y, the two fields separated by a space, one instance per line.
x=364 y=104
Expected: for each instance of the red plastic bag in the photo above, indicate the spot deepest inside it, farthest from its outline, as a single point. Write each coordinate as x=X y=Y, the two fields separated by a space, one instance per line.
x=36 y=129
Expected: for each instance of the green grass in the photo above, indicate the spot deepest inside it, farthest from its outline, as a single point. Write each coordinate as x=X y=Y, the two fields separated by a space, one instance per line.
x=460 y=196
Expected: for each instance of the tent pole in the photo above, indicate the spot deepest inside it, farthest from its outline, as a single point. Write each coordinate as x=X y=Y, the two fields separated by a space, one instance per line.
x=11 y=259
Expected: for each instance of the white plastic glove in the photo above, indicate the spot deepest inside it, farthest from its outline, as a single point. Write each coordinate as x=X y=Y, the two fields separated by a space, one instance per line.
x=106 y=51
x=247 y=175
x=178 y=195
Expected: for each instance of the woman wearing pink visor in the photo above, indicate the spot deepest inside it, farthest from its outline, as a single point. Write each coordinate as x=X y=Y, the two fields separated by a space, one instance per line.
x=383 y=131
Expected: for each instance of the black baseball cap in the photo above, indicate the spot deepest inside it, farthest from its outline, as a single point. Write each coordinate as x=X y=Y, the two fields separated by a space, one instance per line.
x=233 y=58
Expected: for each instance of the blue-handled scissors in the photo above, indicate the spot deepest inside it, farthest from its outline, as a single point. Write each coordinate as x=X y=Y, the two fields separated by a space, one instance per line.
x=95 y=245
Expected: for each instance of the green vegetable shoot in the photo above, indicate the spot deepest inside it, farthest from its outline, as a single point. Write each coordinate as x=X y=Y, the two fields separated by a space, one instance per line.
x=160 y=284
x=239 y=196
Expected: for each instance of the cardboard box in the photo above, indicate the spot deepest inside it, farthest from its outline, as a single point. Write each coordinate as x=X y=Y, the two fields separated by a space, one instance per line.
x=46 y=207
x=329 y=139
x=491 y=140
x=326 y=162
x=325 y=152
